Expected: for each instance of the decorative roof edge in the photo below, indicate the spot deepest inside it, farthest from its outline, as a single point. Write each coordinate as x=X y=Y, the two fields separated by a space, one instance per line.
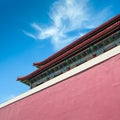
x=100 y=35
x=73 y=44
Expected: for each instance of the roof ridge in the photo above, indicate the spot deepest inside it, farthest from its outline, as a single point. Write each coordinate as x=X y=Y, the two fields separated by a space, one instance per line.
x=73 y=44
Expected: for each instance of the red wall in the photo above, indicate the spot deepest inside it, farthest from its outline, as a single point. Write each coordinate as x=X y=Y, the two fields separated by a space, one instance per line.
x=91 y=95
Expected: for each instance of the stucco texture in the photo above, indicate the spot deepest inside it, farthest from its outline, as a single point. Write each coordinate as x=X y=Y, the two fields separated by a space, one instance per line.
x=91 y=95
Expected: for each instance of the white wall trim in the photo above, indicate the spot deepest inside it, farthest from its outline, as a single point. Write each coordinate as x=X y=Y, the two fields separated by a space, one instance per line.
x=65 y=75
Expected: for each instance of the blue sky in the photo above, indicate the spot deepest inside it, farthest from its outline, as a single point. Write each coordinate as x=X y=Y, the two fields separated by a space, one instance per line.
x=32 y=30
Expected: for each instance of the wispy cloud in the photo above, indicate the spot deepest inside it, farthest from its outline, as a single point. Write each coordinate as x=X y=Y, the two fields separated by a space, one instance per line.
x=70 y=19
x=30 y=34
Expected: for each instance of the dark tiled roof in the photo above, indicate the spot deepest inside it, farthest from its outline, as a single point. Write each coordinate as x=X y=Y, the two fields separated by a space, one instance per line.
x=98 y=34
x=85 y=37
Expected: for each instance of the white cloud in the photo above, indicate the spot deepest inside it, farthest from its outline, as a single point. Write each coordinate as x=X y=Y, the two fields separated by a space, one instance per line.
x=70 y=19
x=30 y=34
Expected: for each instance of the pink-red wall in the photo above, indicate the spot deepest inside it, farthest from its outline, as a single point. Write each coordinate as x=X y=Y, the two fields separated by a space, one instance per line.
x=91 y=95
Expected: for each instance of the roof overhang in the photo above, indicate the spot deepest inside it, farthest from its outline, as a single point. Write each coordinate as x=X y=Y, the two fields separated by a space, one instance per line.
x=96 y=35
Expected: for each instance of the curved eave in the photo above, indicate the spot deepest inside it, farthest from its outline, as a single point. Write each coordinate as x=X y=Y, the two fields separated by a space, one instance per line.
x=87 y=36
x=25 y=81
x=37 y=64
x=101 y=35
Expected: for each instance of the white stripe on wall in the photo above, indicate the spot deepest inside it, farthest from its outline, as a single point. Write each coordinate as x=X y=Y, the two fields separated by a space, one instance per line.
x=67 y=74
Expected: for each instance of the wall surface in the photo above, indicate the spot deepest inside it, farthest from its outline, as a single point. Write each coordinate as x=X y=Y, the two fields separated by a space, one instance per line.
x=91 y=95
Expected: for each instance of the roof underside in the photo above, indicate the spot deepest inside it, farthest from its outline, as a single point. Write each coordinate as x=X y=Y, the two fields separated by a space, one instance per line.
x=85 y=37
x=96 y=35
